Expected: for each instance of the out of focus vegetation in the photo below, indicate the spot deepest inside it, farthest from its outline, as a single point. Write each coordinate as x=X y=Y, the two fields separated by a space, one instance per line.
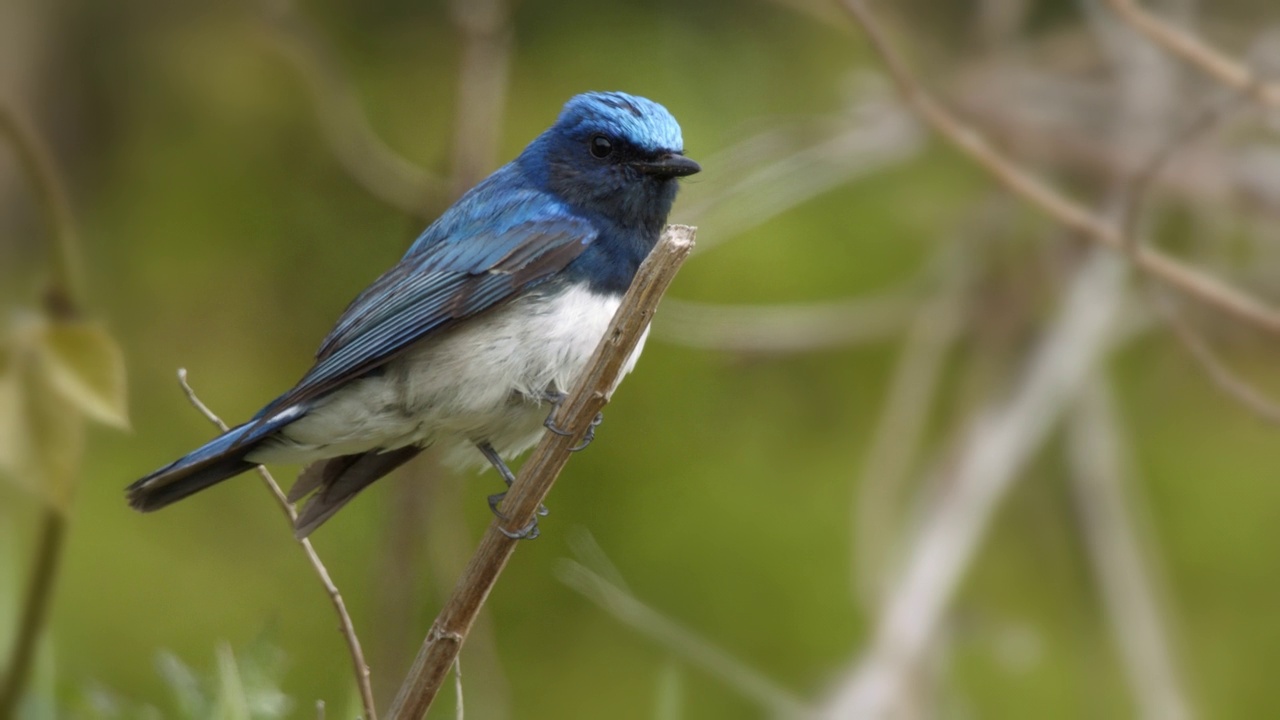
x=222 y=233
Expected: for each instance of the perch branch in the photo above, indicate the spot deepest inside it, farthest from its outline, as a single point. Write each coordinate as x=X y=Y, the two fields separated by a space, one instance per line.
x=1186 y=279
x=339 y=605
x=1197 y=52
x=538 y=475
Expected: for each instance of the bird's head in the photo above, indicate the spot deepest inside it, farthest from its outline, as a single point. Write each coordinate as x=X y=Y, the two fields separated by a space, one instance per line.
x=614 y=154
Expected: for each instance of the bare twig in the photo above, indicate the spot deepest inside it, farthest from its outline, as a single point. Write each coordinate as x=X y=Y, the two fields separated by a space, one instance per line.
x=749 y=682
x=539 y=473
x=1186 y=279
x=1140 y=186
x=1001 y=441
x=1197 y=52
x=1124 y=576
x=383 y=172
x=1222 y=376
x=345 y=626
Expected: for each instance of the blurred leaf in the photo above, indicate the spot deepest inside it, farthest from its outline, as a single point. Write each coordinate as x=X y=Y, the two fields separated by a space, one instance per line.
x=86 y=365
x=231 y=703
x=52 y=375
x=184 y=685
x=43 y=432
x=670 y=694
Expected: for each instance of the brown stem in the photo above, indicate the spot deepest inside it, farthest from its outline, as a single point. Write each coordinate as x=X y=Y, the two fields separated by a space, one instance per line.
x=35 y=609
x=449 y=631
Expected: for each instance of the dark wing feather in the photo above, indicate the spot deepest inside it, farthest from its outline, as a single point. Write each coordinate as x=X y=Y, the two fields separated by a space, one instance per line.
x=436 y=286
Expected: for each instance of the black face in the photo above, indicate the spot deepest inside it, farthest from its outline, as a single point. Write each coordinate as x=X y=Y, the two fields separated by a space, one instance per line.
x=664 y=165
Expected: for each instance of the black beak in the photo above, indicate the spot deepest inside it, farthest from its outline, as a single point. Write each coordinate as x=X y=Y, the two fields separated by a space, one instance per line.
x=670 y=165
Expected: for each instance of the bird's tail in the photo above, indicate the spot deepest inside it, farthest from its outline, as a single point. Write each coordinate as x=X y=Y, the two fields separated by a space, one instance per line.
x=215 y=461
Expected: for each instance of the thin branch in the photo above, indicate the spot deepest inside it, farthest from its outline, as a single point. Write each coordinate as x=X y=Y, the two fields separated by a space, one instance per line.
x=345 y=626
x=786 y=328
x=1124 y=575
x=1197 y=52
x=35 y=608
x=749 y=682
x=63 y=296
x=1192 y=341
x=1001 y=442
x=1144 y=179
x=1186 y=279
x=539 y=473
x=381 y=171
x=1222 y=376
x=460 y=713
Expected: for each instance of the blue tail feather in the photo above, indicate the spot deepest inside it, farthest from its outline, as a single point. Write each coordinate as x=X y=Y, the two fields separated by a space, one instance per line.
x=215 y=461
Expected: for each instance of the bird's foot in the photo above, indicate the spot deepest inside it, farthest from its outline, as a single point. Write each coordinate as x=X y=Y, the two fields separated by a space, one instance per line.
x=528 y=532
x=557 y=398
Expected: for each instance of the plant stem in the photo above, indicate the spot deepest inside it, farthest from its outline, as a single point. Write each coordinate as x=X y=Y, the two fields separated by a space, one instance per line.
x=62 y=297
x=35 y=609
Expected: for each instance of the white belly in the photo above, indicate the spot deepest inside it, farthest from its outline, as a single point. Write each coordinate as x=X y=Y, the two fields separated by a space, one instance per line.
x=480 y=381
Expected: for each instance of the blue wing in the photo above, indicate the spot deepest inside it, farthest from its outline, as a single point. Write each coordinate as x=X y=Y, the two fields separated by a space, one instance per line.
x=462 y=265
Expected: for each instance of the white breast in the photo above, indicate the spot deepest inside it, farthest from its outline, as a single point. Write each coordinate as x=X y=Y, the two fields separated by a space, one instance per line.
x=479 y=381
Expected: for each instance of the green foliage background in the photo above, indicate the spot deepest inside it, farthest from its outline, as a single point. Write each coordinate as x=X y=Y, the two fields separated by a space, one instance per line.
x=222 y=236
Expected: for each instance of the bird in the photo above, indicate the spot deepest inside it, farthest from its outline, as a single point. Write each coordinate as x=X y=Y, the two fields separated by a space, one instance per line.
x=470 y=340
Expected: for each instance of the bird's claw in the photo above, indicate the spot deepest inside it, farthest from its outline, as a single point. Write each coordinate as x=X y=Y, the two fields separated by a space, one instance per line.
x=528 y=532
x=557 y=399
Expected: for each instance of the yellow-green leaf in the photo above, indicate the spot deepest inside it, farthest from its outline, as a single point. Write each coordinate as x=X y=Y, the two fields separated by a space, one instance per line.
x=54 y=443
x=86 y=367
x=43 y=432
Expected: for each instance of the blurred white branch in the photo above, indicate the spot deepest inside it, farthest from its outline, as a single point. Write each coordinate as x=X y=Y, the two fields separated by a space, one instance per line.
x=785 y=328
x=1123 y=570
x=899 y=433
x=1003 y=438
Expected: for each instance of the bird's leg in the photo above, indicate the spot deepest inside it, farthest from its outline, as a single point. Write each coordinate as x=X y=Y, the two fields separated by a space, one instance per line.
x=528 y=532
x=557 y=398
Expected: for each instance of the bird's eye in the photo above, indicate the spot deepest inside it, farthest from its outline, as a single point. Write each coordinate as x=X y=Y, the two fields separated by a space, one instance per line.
x=601 y=147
